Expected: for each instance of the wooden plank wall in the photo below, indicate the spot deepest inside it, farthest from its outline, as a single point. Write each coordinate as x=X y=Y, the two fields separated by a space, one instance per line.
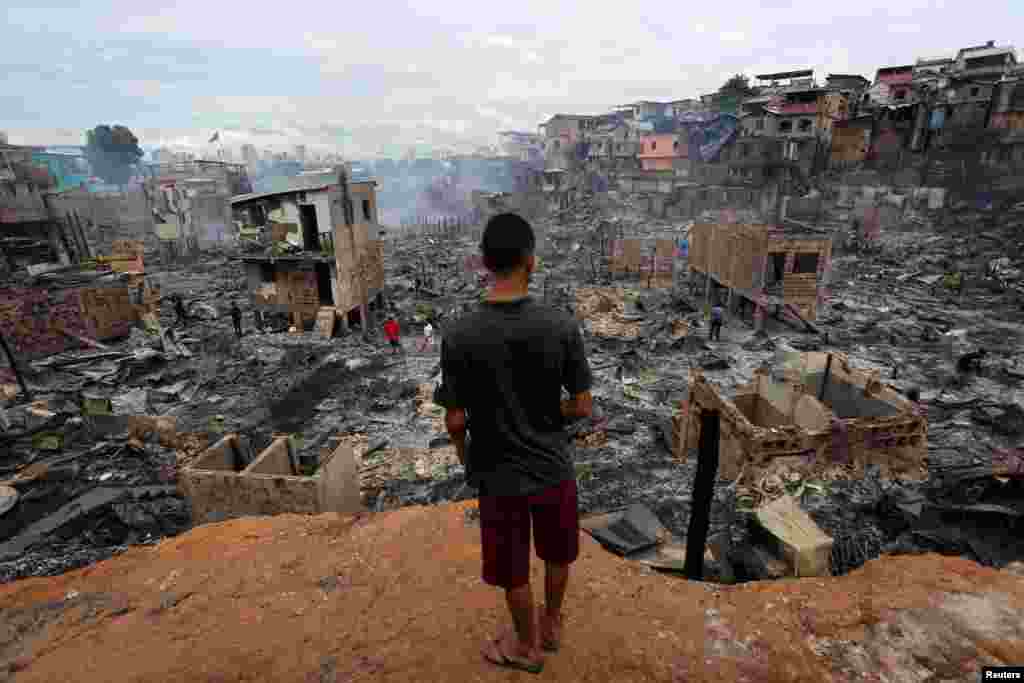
x=733 y=253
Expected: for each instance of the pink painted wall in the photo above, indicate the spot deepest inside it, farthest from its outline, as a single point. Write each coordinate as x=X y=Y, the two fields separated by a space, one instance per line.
x=656 y=164
x=662 y=145
x=31 y=318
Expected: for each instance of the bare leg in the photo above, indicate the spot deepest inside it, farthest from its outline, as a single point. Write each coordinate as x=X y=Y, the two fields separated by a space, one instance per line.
x=517 y=648
x=520 y=604
x=556 y=578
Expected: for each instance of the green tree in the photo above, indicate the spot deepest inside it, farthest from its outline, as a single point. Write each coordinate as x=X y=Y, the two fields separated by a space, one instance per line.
x=737 y=85
x=113 y=152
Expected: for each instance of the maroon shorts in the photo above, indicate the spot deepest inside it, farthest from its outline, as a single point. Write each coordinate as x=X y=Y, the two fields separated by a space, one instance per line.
x=505 y=532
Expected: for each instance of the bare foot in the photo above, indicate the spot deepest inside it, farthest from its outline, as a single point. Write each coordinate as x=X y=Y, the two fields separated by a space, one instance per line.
x=550 y=632
x=508 y=651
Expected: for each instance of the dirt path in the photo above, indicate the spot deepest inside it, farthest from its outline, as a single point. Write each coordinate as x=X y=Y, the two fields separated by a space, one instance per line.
x=397 y=597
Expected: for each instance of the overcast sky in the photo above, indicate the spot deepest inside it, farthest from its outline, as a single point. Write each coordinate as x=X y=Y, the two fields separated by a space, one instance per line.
x=377 y=77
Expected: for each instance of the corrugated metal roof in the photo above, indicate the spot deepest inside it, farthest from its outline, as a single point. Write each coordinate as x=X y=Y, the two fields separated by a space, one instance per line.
x=299 y=183
x=785 y=74
x=241 y=198
x=975 y=52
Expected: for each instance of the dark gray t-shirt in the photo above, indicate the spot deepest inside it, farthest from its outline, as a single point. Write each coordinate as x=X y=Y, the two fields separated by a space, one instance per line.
x=506 y=364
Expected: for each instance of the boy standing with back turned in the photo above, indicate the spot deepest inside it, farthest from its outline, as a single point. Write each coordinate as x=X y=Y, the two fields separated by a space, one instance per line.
x=504 y=366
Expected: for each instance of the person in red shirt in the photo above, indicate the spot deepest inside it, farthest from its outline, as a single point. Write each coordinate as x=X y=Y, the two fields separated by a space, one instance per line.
x=392 y=334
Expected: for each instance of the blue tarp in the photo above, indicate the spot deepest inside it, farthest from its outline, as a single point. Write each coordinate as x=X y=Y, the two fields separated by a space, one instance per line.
x=707 y=138
x=664 y=124
x=938 y=118
x=691 y=117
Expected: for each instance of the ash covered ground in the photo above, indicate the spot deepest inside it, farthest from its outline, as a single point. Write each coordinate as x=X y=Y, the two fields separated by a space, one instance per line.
x=101 y=492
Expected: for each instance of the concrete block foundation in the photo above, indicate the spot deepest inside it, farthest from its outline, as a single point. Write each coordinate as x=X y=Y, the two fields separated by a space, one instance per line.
x=220 y=485
x=854 y=421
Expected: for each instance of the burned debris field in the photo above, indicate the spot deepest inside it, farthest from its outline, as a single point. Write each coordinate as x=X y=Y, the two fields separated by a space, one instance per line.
x=123 y=441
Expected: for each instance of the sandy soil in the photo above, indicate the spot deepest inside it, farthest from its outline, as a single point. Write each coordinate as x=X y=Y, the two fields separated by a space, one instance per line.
x=397 y=597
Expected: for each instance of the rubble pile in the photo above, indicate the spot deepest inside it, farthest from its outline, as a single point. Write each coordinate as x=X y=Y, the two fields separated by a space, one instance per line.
x=604 y=312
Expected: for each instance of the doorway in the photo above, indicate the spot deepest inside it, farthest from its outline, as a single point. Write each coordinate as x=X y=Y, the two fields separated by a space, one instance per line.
x=323 y=284
x=776 y=268
x=310 y=228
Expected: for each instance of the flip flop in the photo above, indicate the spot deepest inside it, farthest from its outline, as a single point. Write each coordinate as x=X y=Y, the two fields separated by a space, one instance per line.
x=494 y=655
x=549 y=644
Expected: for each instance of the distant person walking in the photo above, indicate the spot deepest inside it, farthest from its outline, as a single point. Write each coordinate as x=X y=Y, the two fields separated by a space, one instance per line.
x=179 y=310
x=392 y=334
x=428 y=338
x=236 y=319
x=717 y=319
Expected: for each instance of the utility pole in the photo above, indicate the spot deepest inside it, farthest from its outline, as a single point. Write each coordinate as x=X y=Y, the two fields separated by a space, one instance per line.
x=703 y=494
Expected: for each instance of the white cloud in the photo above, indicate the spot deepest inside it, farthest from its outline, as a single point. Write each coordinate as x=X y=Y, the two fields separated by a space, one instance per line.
x=320 y=43
x=903 y=28
x=144 y=88
x=389 y=73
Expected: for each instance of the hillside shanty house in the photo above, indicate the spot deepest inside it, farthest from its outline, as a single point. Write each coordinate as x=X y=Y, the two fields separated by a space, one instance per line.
x=317 y=258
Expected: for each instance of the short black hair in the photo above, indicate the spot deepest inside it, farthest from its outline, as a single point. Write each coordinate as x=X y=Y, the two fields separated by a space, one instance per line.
x=508 y=241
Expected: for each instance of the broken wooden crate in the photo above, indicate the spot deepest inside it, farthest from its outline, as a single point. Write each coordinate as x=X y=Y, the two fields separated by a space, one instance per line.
x=220 y=484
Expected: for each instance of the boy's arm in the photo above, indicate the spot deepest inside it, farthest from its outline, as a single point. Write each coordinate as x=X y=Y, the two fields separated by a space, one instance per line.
x=576 y=378
x=455 y=423
x=455 y=412
x=578 y=406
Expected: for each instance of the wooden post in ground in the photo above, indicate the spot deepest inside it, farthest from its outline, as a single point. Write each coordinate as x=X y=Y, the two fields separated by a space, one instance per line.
x=81 y=231
x=703 y=494
x=14 y=367
x=824 y=380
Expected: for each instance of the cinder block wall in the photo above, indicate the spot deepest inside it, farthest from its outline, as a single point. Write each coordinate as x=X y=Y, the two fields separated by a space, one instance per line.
x=897 y=442
x=266 y=486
